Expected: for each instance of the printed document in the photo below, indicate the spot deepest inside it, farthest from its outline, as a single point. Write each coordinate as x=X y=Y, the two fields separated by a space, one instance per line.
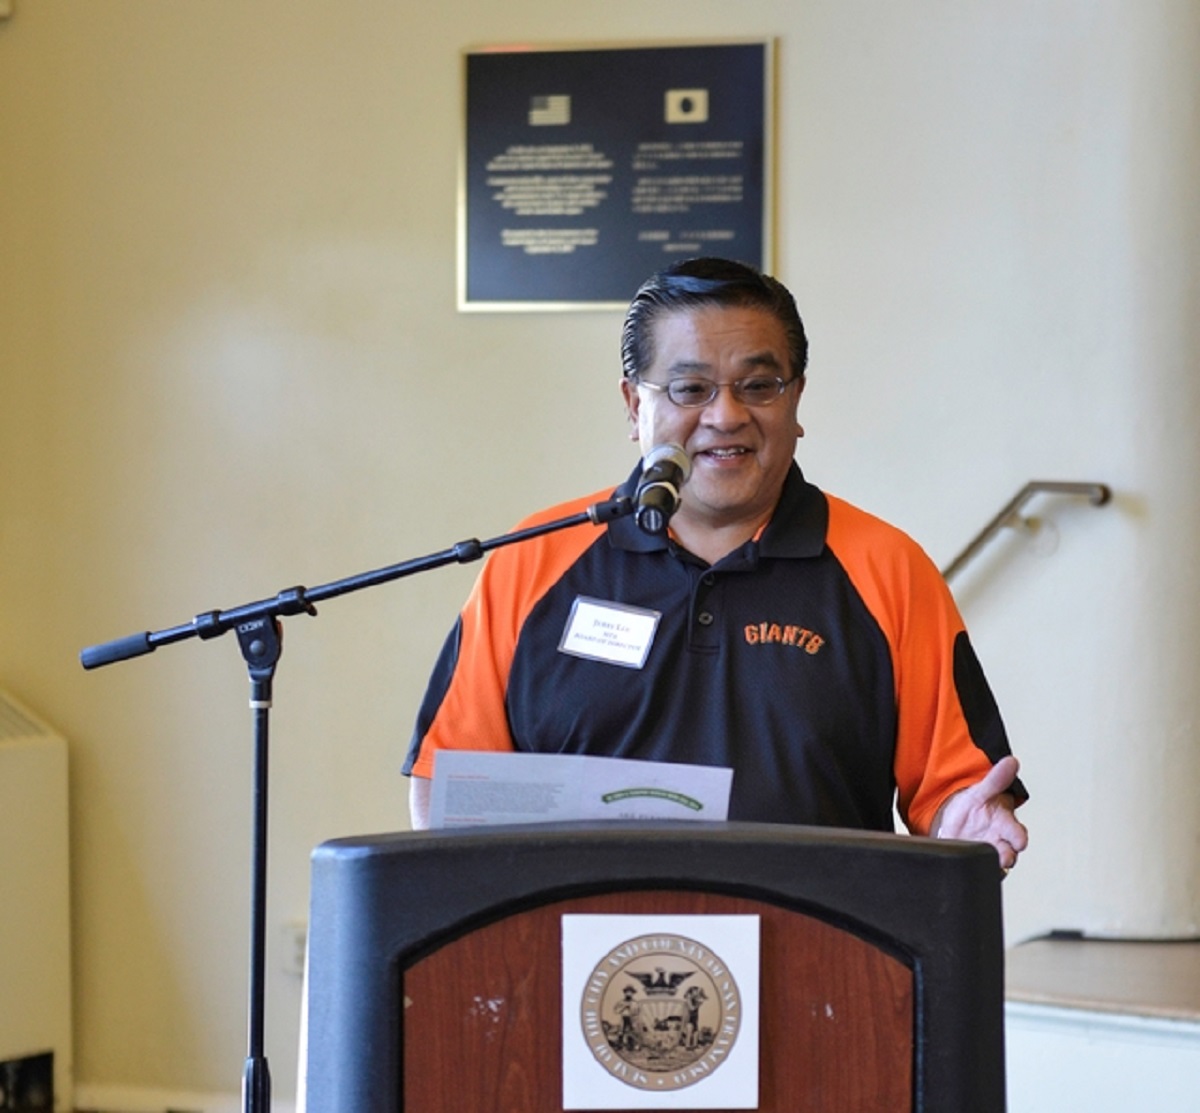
x=472 y=788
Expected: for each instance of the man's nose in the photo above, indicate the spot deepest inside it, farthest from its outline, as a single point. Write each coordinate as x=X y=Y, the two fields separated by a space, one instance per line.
x=725 y=411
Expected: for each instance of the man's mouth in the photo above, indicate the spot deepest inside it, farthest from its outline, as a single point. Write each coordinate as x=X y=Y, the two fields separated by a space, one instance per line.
x=724 y=453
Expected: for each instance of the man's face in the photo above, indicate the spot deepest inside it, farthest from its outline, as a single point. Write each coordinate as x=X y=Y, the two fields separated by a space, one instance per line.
x=740 y=453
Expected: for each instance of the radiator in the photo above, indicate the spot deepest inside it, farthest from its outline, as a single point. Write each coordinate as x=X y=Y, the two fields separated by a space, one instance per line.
x=35 y=933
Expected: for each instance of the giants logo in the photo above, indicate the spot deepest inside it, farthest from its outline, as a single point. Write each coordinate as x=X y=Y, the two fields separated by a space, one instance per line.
x=772 y=633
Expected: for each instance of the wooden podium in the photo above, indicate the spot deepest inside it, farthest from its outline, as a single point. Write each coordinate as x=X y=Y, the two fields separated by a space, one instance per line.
x=881 y=963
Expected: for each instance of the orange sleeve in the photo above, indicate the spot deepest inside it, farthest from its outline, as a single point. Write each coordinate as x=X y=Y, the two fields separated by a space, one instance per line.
x=472 y=714
x=935 y=753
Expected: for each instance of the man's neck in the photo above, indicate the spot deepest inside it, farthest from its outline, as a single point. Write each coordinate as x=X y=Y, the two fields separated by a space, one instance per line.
x=710 y=542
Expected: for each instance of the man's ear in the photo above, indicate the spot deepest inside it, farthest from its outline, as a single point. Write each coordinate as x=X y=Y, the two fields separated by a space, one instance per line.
x=629 y=392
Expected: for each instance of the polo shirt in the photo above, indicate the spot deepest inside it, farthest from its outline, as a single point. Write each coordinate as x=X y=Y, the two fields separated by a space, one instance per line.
x=824 y=661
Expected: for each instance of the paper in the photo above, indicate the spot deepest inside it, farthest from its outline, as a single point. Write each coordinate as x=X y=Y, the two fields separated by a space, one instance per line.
x=473 y=788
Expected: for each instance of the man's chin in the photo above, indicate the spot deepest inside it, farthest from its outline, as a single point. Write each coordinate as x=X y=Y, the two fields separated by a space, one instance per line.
x=717 y=513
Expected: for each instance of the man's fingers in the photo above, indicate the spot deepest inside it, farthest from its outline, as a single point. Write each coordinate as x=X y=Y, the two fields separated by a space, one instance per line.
x=998 y=779
x=1016 y=835
x=984 y=813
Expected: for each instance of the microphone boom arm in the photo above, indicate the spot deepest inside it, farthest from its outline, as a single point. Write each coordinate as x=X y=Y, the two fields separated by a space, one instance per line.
x=302 y=600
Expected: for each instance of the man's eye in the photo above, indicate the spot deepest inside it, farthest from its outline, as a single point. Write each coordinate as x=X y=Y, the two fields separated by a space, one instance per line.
x=759 y=388
x=691 y=388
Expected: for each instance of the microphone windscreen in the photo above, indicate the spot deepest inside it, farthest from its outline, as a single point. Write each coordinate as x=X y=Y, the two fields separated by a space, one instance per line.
x=668 y=454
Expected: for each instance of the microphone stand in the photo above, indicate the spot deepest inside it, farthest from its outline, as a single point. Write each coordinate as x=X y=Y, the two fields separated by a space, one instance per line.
x=258 y=631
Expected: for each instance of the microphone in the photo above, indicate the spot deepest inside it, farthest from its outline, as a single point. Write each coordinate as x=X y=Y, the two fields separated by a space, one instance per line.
x=665 y=469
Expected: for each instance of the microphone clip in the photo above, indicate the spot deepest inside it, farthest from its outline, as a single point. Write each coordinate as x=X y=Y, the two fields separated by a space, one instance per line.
x=665 y=469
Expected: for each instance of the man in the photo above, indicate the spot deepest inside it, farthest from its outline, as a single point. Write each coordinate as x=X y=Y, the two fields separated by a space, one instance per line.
x=813 y=649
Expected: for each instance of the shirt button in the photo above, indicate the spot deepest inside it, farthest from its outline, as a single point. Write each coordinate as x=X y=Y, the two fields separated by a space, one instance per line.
x=708 y=579
x=705 y=618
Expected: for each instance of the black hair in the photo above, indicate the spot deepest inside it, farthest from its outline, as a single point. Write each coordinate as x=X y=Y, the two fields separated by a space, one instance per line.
x=693 y=283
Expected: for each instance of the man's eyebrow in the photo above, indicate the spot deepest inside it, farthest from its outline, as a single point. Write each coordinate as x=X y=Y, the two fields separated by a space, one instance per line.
x=763 y=359
x=689 y=367
x=754 y=362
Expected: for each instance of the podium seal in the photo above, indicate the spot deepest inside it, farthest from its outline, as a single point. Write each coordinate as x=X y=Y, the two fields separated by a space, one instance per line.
x=661 y=1012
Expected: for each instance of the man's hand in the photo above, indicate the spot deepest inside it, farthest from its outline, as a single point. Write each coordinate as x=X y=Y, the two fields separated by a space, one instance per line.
x=984 y=813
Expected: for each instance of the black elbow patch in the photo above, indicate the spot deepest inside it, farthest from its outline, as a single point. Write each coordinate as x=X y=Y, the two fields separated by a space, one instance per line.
x=435 y=692
x=979 y=707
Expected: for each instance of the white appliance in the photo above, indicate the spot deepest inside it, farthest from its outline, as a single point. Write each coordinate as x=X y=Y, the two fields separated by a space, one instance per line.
x=35 y=933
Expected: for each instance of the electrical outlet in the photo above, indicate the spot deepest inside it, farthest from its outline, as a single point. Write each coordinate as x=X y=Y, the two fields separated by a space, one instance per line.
x=294 y=938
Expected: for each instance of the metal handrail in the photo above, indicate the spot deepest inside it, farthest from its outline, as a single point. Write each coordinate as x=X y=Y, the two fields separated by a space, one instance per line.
x=1096 y=493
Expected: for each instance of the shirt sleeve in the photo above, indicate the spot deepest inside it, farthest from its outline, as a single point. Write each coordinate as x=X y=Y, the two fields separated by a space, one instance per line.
x=463 y=707
x=949 y=730
x=465 y=703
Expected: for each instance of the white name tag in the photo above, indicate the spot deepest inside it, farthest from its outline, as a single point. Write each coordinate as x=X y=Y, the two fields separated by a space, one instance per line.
x=609 y=632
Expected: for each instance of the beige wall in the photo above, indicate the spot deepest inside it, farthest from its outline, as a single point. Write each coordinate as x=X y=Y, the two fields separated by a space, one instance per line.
x=230 y=362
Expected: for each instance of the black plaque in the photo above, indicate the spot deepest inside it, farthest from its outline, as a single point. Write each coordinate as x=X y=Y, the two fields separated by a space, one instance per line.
x=586 y=170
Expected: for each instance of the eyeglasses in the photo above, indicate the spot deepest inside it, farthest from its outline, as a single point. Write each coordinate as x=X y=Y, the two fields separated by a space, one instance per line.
x=692 y=392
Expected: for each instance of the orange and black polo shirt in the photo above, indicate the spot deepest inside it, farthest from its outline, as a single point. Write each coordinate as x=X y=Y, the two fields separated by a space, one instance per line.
x=824 y=661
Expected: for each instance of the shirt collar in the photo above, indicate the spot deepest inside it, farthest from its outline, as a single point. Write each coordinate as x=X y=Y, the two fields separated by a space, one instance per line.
x=796 y=529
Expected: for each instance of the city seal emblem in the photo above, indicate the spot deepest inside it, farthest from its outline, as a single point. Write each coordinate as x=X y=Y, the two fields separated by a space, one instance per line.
x=661 y=1012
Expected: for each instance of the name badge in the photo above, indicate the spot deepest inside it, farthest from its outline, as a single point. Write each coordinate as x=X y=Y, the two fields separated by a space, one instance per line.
x=611 y=632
